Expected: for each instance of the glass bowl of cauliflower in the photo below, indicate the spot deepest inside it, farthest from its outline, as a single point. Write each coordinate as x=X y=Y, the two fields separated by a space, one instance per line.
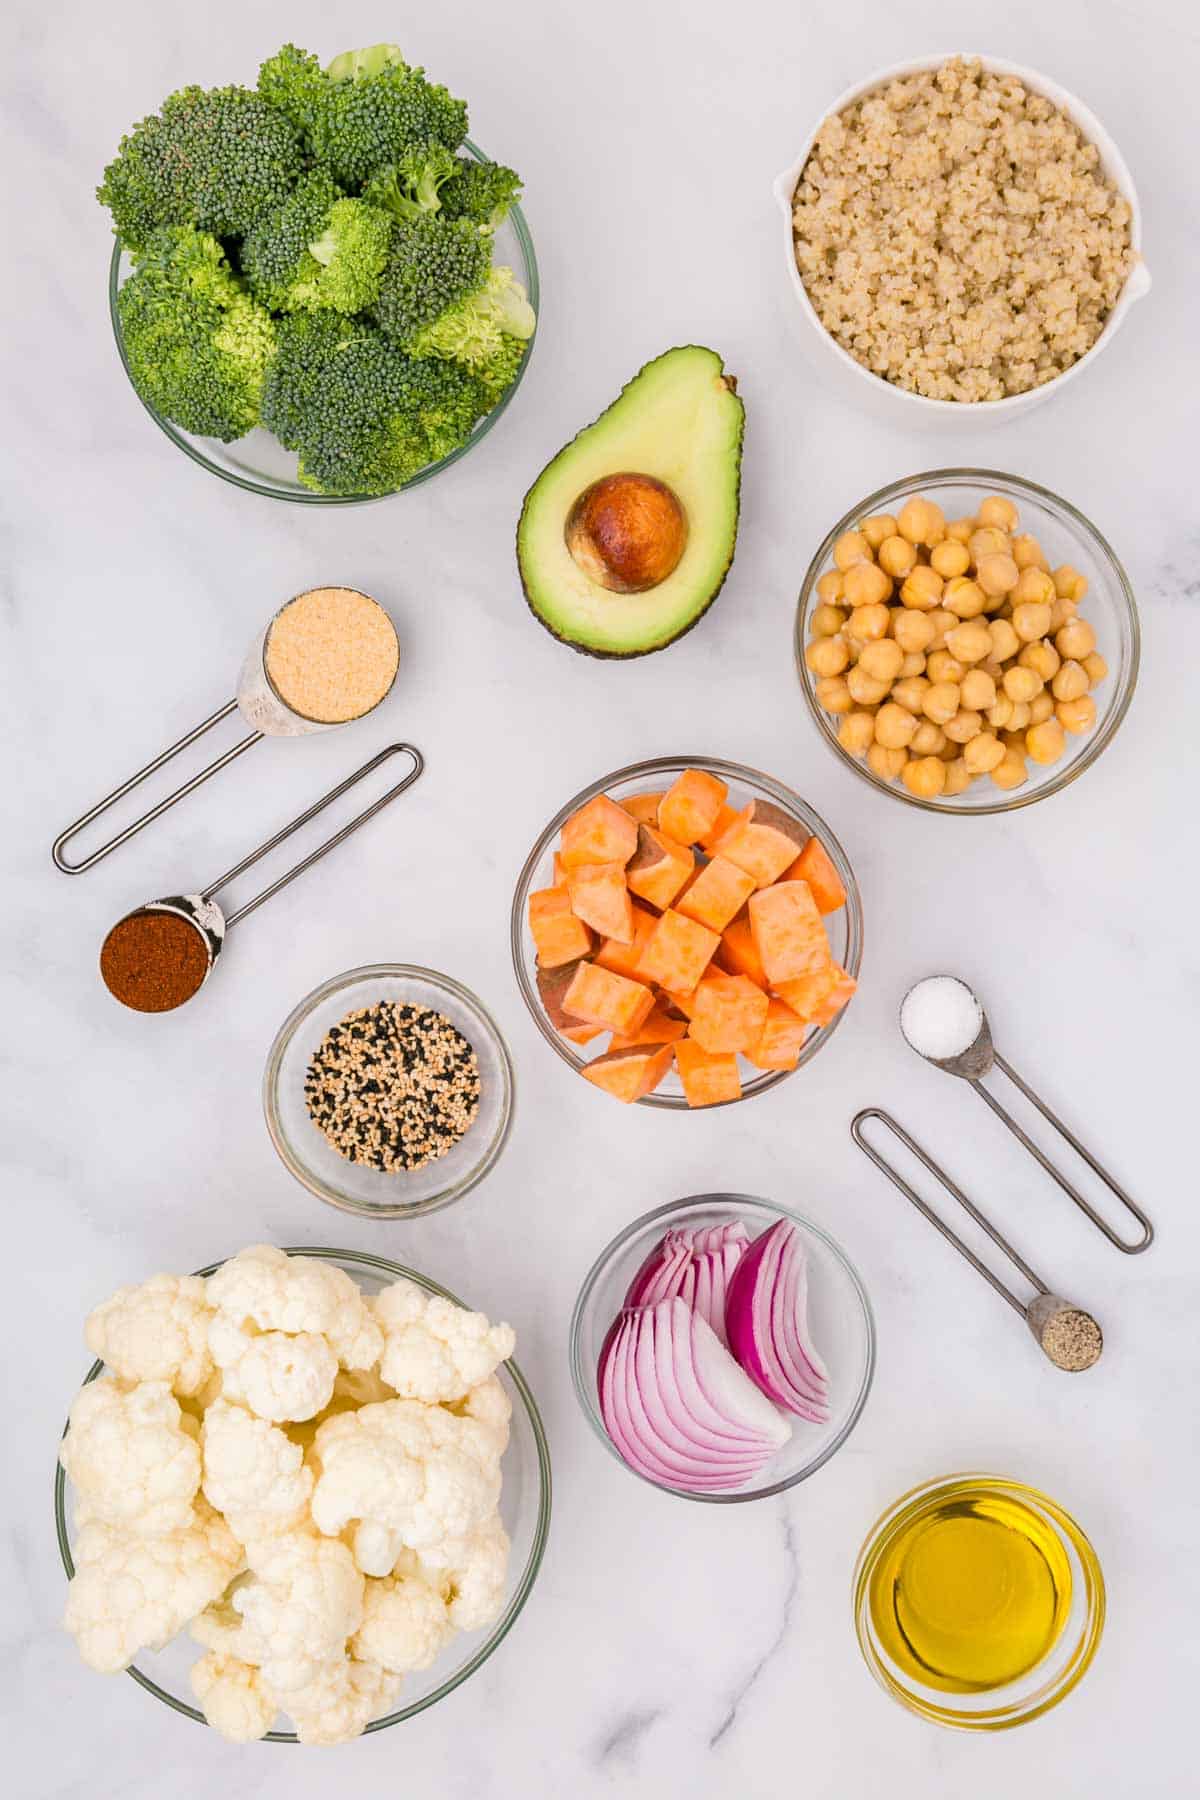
x=310 y=1487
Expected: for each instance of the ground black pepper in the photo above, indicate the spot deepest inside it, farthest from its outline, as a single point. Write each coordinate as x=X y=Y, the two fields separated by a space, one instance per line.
x=393 y=1086
x=153 y=961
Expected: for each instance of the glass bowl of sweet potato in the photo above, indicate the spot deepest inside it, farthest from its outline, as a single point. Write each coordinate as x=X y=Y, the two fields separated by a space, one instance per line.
x=686 y=932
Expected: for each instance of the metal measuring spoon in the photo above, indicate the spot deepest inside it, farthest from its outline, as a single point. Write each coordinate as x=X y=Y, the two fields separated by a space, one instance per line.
x=977 y=1060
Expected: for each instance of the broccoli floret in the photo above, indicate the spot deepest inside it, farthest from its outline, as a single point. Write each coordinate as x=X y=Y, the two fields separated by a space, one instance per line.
x=412 y=185
x=433 y=266
x=306 y=345
x=478 y=329
x=318 y=249
x=195 y=344
x=211 y=158
x=484 y=193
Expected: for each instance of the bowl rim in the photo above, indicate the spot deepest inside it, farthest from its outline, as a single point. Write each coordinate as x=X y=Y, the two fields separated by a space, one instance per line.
x=303 y=497
x=1000 y=482
x=516 y=1605
x=909 y=1505
x=743 y=774
x=675 y=1210
x=1136 y=285
x=287 y=1031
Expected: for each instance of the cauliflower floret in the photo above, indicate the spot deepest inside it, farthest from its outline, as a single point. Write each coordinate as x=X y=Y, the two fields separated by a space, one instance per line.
x=252 y=1473
x=134 y=1593
x=434 y=1350
x=277 y=1376
x=490 y=1408
x=266 y=1288
x=304 y=1602
x=130 y=1456
x=404 y=1620
x=232 y=1698
x=155 y=1332
x=341 y=1700
x=471 y=1574
x=404 y=1475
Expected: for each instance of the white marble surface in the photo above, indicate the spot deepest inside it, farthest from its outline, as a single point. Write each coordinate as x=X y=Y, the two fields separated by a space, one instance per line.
x=668 y=1648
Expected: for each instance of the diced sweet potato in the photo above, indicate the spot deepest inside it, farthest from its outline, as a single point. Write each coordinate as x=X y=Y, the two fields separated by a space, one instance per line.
x=598 y=997
x=659 y=867
x=764 y=840
x=738 y=954
x=689 y=808
x=656 y=1029
x=600 y=898
x=729 y=1014
x=559 y=936
x=677 y=953
x=622 y=958
x=707 y=1079
x=717 y=894
x=843 y=986
x=560 y=872
x=599 y=832
x=814 y=866
x=807 y=994
x=780 y=1040
x=630 y=1073
x=552 y=985
x=643 y=808
x=724 y=820
x=788 y=933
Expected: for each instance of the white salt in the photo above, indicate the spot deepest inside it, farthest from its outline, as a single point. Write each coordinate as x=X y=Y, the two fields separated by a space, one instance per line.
x=940 y=1017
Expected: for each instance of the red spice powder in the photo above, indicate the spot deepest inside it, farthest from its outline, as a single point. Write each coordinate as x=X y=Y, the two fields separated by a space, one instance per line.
x=153 y=961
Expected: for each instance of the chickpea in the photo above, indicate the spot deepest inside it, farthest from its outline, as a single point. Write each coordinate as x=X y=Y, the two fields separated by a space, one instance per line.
x=978 y=690
x=1005 y=642
x=833 y=694
x=925 y=777
x=941 y=701
x=969 y=642
x=1075 y=640
x=1021 y=684
x=856 y=732
x=964 y=726
x=881 y=659
x=1062 y=612
x=910 y=692
x=964 y=598
x=1045 y=743
x=1095 y=668
x=827 y=656
x=866 y=689
x=1041 y=657
x=983 y=753
x=998 y=511
x=1070 y=682
x=852 y=547
x=921 y=522
x=928 y=739
x=1041 y=707
x=827 y=621
x=922 y=588
x=997 y=575
x=1033 y=585
x=913 y=664
x=894 y=727
x=1076 y=716
x=1069 y=584
x=950 y=558
x=1010 y=771
x=960 y=530
x=830 y=586
x=1000 y=712
x=1027 y=553
x=942 y=621
x=886 y=763
x=1030 y=620
x=865 y=584
x=912 y=630
x=958 y=777
x=868 y=622
x=878 y=527
x=897 y=556
x=1021 y=716
x=941 y=666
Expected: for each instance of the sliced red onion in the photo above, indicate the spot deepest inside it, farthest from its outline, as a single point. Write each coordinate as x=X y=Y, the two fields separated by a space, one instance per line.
x=766 y=1315
x=697 y=1266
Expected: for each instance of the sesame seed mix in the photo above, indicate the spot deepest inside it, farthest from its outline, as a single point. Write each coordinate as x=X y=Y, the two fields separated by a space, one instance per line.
x=393 y=1086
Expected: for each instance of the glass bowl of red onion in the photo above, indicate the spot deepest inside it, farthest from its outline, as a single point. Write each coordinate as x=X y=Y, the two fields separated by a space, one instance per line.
x=722 y=1347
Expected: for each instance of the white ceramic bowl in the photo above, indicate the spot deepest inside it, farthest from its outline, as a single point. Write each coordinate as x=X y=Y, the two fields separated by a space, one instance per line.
x=897 y=404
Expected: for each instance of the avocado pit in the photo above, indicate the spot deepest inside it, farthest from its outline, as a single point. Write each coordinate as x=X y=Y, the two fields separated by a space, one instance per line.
x=627 y=532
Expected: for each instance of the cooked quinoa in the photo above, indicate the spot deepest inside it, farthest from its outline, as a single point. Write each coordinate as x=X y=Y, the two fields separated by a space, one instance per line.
x=956 y=234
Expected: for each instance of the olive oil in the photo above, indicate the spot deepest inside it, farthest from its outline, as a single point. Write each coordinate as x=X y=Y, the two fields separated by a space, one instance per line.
x=972 y=1592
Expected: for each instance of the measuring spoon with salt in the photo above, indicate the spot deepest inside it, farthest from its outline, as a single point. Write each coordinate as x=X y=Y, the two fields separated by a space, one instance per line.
x=944 y=1022
x=328 y=657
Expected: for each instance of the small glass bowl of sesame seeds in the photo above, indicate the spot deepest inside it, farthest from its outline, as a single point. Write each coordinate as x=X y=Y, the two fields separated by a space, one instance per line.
x=388 y=1091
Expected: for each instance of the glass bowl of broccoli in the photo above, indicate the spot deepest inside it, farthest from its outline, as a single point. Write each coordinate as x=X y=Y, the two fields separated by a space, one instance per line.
x=321 y=290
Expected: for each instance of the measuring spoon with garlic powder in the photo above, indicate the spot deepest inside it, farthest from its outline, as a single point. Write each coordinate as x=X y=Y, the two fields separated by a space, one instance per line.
x=1064 y=1332
x=200 y=911
x=327 y=657
x=943 y=1021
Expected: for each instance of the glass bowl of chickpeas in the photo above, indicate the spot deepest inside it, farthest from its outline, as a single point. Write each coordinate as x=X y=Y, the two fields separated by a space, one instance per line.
x=967 y=641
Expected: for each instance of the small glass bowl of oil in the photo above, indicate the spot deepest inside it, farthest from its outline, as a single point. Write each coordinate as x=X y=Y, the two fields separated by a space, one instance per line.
x=978 y=1602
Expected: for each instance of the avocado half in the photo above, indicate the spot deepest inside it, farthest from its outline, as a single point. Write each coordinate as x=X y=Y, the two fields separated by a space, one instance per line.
x=626 y=536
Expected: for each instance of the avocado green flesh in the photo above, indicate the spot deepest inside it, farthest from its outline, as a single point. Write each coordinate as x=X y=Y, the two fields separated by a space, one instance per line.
x=678 y=421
